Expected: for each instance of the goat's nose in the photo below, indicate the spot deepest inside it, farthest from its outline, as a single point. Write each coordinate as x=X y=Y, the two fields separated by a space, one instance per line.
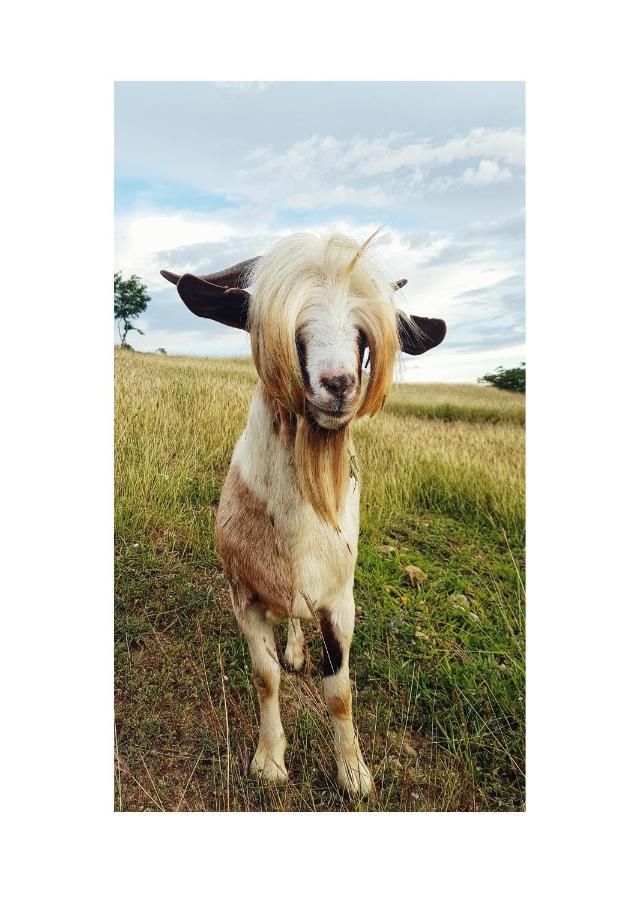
x=338 y=385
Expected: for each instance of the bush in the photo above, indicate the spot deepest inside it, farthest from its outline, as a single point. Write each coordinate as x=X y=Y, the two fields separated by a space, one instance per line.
x=507 y=379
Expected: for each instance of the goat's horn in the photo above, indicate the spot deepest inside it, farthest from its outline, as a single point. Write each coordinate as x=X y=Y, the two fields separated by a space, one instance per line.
x=233 y=276
x=174 y=279
x=399 y=284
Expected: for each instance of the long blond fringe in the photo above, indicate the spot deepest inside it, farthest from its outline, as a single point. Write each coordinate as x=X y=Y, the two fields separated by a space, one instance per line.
x=298 y=272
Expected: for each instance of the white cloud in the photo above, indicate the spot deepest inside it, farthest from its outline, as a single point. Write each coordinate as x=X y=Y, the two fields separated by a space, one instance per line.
x=341 y=195
x=242 y=87
x=488 y=171
x=440 y=268
x=140 y=237
x=188 y=343
x=458 y=366
x=452 y=202
x=367 y=157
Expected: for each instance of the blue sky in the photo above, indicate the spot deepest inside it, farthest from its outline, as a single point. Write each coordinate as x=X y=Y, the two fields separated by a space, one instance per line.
x=208 y=173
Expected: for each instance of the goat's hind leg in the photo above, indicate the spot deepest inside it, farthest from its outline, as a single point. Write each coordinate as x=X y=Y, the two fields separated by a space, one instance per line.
x=294 y=655
x=268 y=761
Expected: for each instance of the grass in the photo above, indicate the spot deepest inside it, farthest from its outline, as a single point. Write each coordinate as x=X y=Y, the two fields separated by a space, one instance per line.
x=457 y=403
x=437 y=662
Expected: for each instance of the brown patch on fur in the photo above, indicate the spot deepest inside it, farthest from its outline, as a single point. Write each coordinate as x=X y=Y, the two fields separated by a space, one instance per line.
x=339 y=706
x=248 y=546
x=263 y=685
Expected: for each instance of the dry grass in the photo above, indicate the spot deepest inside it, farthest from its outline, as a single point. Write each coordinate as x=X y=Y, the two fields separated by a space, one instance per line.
x=438 y=667
x=457 y=402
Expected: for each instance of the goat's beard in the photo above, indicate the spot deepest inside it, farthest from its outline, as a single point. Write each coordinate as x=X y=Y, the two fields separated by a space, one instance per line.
x=322 y=460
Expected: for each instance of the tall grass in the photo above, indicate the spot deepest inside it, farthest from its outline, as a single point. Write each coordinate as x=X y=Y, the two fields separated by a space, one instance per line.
x=457 y=402
x=177 y=420
x=438 y=666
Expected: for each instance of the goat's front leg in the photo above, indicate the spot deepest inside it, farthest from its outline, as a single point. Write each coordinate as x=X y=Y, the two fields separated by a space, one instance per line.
x=336 y=624
x=268 y=762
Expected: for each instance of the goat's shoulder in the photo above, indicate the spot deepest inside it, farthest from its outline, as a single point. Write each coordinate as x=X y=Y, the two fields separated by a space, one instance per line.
x=249 y=546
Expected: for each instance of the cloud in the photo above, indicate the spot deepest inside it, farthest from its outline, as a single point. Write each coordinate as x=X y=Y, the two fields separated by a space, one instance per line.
x=375 y=172
x=190 y=342
x=147 y=242
x=471 y=279
x=461 y=365
x=488 y=171
x=329 y=158
x=365 y=157
x=511 y=227
x=242 y=87
x=341 y=195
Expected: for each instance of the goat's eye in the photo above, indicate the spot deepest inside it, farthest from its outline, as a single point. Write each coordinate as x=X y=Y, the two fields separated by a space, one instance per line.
x=362 y=341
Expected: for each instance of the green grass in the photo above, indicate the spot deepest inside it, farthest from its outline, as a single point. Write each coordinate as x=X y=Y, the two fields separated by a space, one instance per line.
x=457 y=402
x=437 y=666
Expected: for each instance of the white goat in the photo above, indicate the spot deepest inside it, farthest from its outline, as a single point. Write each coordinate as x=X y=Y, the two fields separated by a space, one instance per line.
x=288 y=519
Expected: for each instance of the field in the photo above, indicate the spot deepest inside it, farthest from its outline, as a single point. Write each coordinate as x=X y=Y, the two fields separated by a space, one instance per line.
x=438 y=655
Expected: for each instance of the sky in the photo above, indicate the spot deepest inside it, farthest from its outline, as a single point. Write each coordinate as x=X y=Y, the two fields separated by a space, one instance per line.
x=210 y=173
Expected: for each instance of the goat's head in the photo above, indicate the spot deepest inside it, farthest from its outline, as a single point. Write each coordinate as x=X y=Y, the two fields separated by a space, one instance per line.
x=319 y=309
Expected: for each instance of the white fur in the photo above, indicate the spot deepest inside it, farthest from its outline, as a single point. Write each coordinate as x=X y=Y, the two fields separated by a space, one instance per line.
x=324 y=561
x=330 y=336
x=324 y=291
x=323 y=558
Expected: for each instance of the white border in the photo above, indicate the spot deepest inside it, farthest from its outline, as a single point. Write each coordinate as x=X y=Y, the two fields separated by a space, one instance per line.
x=582 y=172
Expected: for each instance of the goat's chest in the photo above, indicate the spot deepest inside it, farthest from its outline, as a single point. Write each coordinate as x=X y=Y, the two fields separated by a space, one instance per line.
x=320 y=559
x=323 y=558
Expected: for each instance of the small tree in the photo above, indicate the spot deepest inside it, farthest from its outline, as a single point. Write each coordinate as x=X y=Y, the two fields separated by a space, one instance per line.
x=507 y=379
x=130 y=298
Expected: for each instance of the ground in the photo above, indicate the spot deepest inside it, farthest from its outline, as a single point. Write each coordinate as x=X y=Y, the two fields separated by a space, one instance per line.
x=438 y=654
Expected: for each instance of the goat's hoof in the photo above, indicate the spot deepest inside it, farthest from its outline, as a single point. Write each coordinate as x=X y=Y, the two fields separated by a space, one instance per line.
x=355 y=778
x=294 y=658
x=267 y=768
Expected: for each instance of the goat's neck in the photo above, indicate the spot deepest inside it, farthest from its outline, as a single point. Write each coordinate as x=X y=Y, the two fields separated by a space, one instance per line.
x=268 y=450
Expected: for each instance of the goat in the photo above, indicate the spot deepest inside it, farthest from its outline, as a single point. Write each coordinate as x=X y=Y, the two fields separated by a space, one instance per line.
x=288 y=518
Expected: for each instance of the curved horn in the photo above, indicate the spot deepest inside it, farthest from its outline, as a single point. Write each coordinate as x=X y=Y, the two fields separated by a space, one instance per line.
x=218 y=296
x=233 y=276
x=399 y=284
x=170 y=276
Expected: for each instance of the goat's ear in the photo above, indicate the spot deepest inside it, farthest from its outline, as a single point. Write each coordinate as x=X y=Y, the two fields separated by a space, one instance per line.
x=227 y=305
x=421 y=334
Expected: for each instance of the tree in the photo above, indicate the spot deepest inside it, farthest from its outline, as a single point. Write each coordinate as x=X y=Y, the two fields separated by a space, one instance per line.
x=130 y=298
x=507 y=379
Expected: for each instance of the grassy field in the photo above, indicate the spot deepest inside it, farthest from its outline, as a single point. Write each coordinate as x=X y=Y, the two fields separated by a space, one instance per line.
x=438 y=656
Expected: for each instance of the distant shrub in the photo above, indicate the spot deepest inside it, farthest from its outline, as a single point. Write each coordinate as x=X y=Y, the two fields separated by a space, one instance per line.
x=507 y=379
x=161 y=350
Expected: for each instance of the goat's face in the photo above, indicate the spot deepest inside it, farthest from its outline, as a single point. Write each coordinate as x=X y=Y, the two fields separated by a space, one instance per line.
x=330 y=348
x=316 y=307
